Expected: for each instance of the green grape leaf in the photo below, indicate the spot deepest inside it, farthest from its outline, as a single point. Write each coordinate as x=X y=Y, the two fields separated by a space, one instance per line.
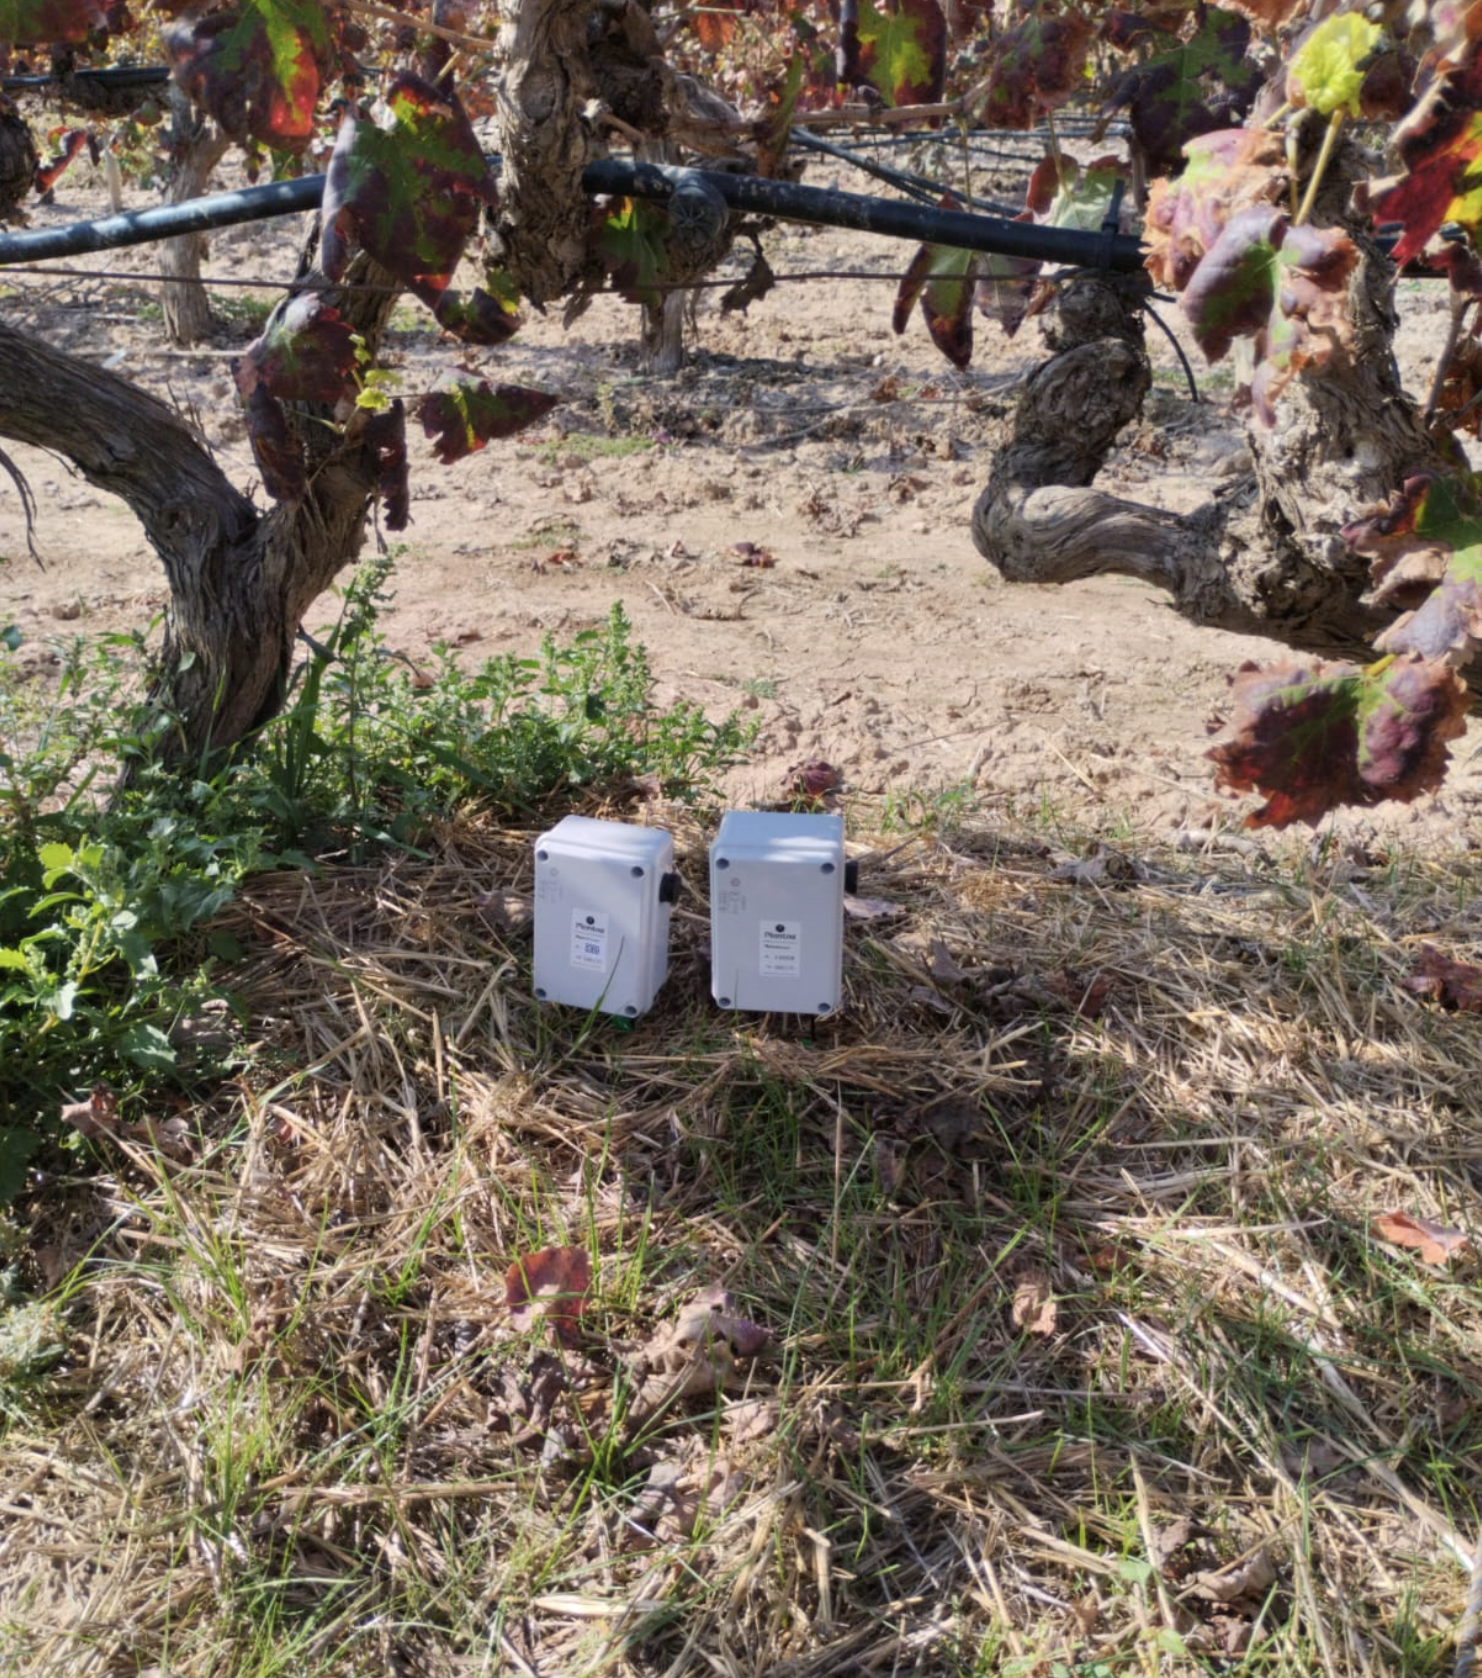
x=628 y=238
x=1325 y=72
x=1193 y=87
x=903 y=50
x=1425 y=545
x=1313 y=736
x=256 y=70
x=1032 y=69
x=278 y=453
x=42 y=23
x=944 y=279
x=1440 y=146
x=306 y=354
x=386 y=434
x=462 y=412
x=409 y=194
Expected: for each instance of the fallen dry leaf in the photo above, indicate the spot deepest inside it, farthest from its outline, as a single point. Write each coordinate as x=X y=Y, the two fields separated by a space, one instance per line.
x=1101 y=866
x=1454 y=984
x=814 y=779
x=553 y=1284
x=1435 y=1242
x=1034 y=1310
x=870 y=908
x=506 y=911
x=97 y=1116
x=695 y=1353
x=748 y=553
x=1249 y=1582
x=1087 y=996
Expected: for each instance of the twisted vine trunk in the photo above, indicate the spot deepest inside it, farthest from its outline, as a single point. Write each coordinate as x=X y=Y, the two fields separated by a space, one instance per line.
x=1265 y=559
x=240 y=579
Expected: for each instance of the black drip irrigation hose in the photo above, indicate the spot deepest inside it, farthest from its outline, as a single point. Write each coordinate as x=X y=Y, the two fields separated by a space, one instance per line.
x=120 y=76
x=784 y=200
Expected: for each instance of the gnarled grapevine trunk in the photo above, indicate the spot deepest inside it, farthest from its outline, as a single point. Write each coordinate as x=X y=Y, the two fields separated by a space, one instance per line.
x=1267 y=558
x=240 y=579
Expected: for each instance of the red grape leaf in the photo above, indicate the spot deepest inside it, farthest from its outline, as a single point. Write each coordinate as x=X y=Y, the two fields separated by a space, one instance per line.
x=257 y=70
x=1435 y=1242
x=944 y=279
x=1430 y=532
x=73 y=141
x=462 y=412
x=552 y=1284
x=1454 y=984
x=410 y=194
x=1313 y=736
x=1203 y=83
x=306 y=354
x=1440 y=146
x=903 y=50
x=27 y=23
x=386 y=434
x=1032 y=69
x=278 y=453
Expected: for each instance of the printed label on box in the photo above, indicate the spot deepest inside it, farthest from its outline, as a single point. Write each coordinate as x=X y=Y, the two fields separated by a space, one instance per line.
x=782 y=949
x=589 y=940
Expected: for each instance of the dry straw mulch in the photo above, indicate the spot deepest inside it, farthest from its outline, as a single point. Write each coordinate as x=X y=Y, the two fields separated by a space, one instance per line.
x=1083 y=1351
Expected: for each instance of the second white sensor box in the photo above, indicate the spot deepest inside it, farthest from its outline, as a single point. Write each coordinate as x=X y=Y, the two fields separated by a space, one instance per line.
x=777 y=912
x=604 y=893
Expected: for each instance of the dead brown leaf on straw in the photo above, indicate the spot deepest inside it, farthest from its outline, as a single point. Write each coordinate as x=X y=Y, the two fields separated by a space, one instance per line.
x=550 y=1285
x=1436 y=1243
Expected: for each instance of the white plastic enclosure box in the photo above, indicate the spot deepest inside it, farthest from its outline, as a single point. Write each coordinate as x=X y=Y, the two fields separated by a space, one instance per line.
x=777 y=912
x=604 y=895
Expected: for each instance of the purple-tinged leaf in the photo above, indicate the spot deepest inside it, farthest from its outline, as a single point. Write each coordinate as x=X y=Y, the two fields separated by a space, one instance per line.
x=43 y=23
x=1233 y=290
x=275 y=448
x=1314 y=736
x=1226 y=172
x=475 y=317
x=306 y=354
x=411 y=194
x=386 y=434
x=256 y=69
x=1193 y=87
x=1430 y=523
x=462 y=412
x=1032 y=69
x=944 y=279
x=1440 y=146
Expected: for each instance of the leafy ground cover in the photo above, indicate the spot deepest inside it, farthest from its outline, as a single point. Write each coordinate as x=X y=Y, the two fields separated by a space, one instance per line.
x=1098 y=1290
